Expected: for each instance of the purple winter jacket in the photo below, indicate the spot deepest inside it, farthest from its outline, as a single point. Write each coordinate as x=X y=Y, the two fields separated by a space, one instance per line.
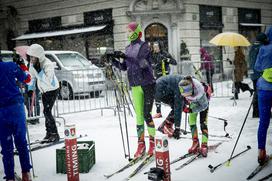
x=138 y=64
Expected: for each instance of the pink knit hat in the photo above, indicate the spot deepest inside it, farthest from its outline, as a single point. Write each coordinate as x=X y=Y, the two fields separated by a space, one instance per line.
x=132 y=26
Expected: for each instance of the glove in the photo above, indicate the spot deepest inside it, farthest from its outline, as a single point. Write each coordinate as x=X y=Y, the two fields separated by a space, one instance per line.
x=187 y=110
x=119 y=54
x=20 y=61
x=30 y=93
x=176 y=133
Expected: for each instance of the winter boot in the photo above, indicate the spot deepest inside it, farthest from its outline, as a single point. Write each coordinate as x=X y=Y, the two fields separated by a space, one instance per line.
x=262 y=157
x=26 y=176
x=157 y=115
x=54 y=137
x=195 y=146
x=235 y=96
x=204 y=150
x=140 y=150
x=47 y=136
x=151 y=146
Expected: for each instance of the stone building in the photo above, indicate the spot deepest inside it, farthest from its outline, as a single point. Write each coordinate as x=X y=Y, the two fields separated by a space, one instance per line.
x=92 y=27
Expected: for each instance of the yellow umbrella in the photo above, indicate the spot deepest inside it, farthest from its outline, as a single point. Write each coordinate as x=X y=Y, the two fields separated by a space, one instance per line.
x=229 y=39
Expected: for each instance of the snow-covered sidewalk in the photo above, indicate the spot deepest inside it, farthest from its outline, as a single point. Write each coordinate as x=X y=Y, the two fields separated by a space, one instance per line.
x=104 y=130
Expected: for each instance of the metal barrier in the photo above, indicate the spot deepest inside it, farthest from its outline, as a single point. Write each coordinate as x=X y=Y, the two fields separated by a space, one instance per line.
x=88 y=89
x=221 y=77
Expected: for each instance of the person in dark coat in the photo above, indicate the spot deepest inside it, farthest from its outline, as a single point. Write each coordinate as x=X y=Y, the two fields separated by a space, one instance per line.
x=264 y=86
x=13 y=119
x=161 y=63
x=137 y=62
x=167 y=91
x=240 y=69
x=261 y=39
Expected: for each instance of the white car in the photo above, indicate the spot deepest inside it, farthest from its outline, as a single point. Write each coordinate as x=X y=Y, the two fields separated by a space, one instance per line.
x=77 y=76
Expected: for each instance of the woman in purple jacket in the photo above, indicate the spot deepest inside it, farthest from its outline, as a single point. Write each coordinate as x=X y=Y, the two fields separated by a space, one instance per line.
x=137 y=63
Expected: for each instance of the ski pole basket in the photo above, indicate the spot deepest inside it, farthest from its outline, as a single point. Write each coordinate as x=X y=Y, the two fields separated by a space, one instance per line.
x=86 y=157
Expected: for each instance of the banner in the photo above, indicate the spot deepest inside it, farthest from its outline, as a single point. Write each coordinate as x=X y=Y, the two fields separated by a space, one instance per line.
x=72 y=166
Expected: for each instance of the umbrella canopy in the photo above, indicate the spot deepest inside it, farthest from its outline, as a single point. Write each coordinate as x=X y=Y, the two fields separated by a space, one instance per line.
x=229 y=39
x=21 y=50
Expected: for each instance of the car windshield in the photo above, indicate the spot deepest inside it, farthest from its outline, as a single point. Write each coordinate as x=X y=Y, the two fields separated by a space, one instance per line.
x=73 y=60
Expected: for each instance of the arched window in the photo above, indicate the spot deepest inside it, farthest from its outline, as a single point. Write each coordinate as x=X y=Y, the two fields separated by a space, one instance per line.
x=157 y=32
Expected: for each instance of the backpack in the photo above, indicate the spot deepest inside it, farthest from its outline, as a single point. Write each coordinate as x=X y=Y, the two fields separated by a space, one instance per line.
x=207 y=89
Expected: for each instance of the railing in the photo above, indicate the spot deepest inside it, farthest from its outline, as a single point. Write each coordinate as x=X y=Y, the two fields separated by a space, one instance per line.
x=220 y=76
x=88 y=89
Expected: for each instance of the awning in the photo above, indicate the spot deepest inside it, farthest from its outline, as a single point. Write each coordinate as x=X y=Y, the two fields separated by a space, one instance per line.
x=59 y=33
x=251 y=24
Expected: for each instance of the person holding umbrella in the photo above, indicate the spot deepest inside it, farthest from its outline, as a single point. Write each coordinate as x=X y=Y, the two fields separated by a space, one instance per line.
x=235 y=40
x=240 y=68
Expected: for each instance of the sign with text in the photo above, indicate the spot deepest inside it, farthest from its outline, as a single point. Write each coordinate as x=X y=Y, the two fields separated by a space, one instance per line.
x=72 y=166
x=100 y=17
x=162 y=156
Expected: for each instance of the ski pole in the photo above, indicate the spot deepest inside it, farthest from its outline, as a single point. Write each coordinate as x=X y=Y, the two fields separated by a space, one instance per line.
x=240 y=132
x=119 y=117
x=185 y=131
x=213 y=168
x=30 y=152
x=221 y=119
x=225 y=124
x=126 y=127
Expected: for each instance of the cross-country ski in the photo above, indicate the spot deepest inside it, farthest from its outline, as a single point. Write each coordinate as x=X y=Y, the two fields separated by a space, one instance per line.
x=259 y=168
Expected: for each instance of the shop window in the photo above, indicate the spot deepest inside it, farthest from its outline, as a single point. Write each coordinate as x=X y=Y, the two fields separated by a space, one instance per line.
x=210 y=26
x=98 y=43
x=43 y=25
x=249 y=22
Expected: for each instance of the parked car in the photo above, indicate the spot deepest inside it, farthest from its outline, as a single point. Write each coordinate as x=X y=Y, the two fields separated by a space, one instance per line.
x=77 y=76
x=6 y=55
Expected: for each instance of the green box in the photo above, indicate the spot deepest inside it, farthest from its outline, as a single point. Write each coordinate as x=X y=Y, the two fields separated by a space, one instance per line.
x=86 y=158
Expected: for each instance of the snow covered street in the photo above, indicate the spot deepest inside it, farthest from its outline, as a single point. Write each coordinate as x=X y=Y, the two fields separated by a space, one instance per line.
x=104 y=130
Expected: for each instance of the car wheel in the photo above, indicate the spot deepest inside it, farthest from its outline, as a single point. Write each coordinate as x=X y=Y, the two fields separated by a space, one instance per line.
x=66 y=92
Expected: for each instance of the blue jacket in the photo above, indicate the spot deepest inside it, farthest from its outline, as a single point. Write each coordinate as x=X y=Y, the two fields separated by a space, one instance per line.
x=264 y=61
x=167 y=91
x=138 y=64
x=9 y=90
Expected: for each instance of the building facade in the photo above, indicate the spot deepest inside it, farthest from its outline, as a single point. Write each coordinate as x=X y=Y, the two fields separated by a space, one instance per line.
x=101 y=24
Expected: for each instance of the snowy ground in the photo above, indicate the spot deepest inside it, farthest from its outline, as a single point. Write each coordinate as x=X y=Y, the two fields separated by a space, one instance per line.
x=104 y=130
